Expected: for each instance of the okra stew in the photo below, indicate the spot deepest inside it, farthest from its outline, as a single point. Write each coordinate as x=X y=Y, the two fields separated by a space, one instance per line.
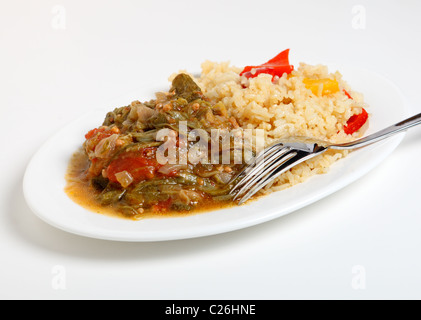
x=145 y=160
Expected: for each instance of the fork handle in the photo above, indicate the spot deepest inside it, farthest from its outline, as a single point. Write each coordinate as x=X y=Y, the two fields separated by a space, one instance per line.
x=380 y=135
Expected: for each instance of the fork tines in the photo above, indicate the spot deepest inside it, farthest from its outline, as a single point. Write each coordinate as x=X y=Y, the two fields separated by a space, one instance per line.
x=266 y=167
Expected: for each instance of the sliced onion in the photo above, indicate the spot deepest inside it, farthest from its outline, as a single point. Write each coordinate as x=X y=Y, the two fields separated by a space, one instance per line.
x=106 y=146
x=124 y=178
x=144 y=113
x=190 y=197
x=225 y=177
x=139 y=112
x=161 y=97
x=168 y=168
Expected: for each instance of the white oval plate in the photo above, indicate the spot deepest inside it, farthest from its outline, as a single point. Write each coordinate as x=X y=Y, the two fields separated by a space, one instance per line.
x=44 y=180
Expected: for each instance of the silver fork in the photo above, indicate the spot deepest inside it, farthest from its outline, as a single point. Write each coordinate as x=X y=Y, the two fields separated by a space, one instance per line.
x=285 y=154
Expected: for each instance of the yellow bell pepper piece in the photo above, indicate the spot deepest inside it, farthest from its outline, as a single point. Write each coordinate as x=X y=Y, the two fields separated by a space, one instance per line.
x=327 y=86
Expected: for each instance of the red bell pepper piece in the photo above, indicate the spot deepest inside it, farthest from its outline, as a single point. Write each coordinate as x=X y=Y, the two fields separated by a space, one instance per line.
x=356 y=122
x=276 y=66
x=99 y=134
x=142 y=165
x=94 y=132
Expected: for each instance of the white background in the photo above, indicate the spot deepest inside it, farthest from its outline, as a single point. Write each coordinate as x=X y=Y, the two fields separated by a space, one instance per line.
x=50 y=76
